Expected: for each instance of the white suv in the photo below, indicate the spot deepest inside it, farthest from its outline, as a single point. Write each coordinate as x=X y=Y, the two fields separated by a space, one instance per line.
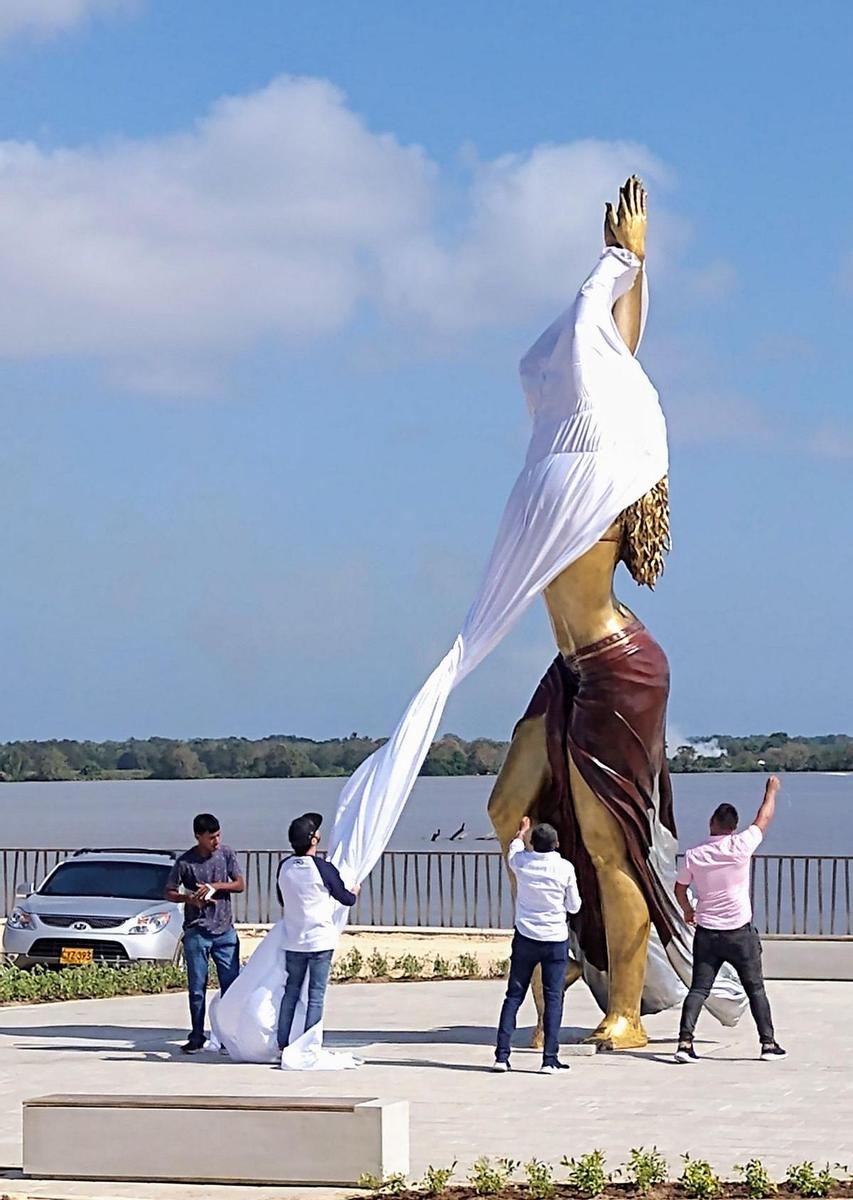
x=97 y=906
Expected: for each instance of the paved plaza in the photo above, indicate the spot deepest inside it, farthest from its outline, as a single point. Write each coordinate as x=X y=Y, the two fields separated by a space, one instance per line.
x=430 y=1044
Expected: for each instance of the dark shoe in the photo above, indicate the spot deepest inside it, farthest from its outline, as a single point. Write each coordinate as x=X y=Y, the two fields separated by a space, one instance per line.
x=192 y=1047
x=686 y=1054
x=770 y=1051
x=553 y=1068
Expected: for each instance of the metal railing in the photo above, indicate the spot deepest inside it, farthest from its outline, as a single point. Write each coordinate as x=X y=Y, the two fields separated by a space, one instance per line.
x=794 y=895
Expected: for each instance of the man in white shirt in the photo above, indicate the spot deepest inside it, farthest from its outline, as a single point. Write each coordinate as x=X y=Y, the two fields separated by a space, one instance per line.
x=310 y=890
x=717 y=872
x=546 y=890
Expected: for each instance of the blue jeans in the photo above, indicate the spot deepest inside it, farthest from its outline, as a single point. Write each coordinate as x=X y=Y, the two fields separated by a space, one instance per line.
x=317 y=965
x=199 y=947
x=527 y=954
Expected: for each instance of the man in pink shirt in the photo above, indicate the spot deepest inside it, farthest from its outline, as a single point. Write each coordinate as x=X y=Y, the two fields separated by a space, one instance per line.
x=717 y=872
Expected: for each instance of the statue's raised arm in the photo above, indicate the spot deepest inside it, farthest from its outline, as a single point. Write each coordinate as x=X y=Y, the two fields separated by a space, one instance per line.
x=625 y=226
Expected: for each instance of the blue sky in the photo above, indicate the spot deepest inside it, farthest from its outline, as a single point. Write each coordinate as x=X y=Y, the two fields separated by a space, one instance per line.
x=268 y=271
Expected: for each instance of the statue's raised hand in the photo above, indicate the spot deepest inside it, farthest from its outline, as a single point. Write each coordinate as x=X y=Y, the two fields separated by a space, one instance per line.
x=626 y=225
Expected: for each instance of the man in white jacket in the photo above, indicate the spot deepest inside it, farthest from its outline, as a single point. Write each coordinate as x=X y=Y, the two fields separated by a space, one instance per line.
x=546 y=891
x=310 y=890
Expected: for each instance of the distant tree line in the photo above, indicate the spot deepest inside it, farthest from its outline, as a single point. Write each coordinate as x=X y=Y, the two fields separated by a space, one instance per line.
x=765 y=752
x=289 y=757
x=276 y=757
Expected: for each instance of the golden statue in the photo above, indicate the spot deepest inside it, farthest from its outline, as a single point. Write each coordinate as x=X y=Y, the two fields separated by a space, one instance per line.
x=589 y=754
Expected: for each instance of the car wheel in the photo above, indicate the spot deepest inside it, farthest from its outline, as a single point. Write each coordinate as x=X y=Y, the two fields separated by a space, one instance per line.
x=179 y=959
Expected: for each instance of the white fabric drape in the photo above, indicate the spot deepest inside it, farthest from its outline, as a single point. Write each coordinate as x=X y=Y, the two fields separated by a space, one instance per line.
x=598 y=444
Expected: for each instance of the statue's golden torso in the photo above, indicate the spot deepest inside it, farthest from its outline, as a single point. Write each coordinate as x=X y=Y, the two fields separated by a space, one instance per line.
x=581 y=602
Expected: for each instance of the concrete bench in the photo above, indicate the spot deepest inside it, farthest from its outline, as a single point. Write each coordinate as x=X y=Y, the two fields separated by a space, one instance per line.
x=216 y=1139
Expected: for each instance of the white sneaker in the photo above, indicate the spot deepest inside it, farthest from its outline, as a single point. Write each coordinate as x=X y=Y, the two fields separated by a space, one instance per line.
x=499 y=1068
x=686 y=1054
x=553 y=1068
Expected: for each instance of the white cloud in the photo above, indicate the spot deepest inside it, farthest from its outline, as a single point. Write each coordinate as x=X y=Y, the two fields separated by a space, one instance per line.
x=832 y=441
x=43 y=18
x=277 y=215
x=710 y=748
x=845 y=276
x=265 y=218
x=701 y=397
x=674 y=738
x=709 y=414
x=530 y=222
x=714 y=282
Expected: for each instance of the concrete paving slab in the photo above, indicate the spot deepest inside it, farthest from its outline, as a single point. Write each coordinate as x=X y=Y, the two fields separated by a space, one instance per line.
x=431 y=1044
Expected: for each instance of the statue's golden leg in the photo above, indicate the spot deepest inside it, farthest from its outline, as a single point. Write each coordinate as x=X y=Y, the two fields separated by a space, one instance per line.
x=626 y=917
x=573 y=974
x=521 y=779
x=524 y=775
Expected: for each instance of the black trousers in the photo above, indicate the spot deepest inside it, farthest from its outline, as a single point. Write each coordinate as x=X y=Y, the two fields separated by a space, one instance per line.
x=741 y=948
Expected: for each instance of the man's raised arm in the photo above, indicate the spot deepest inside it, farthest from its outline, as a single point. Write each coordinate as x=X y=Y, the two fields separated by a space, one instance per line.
x=517 y=845
x=768 y=804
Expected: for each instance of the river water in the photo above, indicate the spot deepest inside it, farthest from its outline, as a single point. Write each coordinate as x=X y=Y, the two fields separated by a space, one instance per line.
x=814 y=811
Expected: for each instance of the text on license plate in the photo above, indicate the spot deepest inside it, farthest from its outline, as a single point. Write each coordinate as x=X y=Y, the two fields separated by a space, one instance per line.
x=75 y=955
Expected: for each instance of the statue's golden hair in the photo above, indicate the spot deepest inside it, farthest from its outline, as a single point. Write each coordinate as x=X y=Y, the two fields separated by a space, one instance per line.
x=645 y=534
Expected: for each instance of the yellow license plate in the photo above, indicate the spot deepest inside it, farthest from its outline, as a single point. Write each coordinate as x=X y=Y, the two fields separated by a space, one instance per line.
x=75 y=956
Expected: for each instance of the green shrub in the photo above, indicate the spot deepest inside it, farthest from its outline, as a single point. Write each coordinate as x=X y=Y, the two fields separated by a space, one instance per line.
x=436 y=1179
x=587 y=1174
x=540 y=1180
x=756 y=1179
x=698 y=1180
x=389 y=1185
x=804 y=1179
x=467 y=966
x=409 y=966
x=646 y=1169
x=488 y=1178
x=349 y=966
x=377 y=965
x=90 y=982
x=440 y=967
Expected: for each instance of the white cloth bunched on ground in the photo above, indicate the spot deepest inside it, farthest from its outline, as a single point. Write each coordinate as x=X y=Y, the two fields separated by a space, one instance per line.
x=598 y=444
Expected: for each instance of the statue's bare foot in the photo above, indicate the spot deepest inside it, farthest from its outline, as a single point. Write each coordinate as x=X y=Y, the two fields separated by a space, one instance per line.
x=619 y=1033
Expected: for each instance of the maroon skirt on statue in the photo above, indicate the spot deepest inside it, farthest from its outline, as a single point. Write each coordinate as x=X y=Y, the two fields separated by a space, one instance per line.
x=606 y=706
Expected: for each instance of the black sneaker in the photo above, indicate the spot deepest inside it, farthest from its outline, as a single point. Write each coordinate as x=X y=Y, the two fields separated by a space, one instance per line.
x=686 y=1054
x=192 y=1047
x=770 y=1051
